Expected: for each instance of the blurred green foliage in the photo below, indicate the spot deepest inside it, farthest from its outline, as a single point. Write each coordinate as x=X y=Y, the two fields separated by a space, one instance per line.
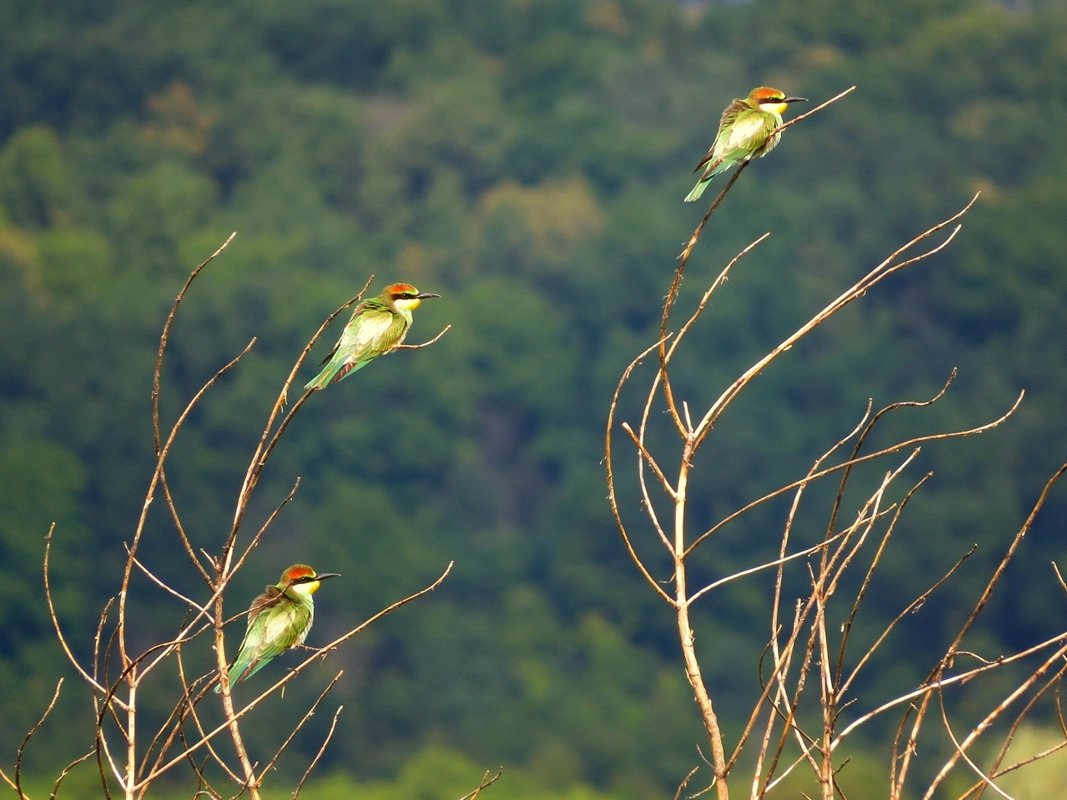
x=527 y=160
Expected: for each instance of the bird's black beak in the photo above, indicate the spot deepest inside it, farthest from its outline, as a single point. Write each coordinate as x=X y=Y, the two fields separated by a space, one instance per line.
x=795 y=100
x=425 y=295
x=324 y=575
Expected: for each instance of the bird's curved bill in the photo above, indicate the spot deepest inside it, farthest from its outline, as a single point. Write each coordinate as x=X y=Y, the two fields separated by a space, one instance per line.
x=324 y=575
x=795 y=100
x=425 y=295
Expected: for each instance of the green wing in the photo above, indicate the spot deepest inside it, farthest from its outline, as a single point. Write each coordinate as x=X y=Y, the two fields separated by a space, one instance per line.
x=372 y=331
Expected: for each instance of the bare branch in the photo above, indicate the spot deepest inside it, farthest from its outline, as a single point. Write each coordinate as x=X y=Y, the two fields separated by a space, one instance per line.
x=259 y=455
x=1059 y=577
x=66 y=771
x=676 y=283
x=437 y=338
x=612 y=496
x=858 y=290
x=161 y=583
x=811 y=478
x=16 y=784
x=776 y=563
x=680 y=791
x=53 y=615
x=962 y=677
x=132 y=546
x=299 y=725
x=322 y=749
x=816 y=110
x=485 y=782
x=650 y=459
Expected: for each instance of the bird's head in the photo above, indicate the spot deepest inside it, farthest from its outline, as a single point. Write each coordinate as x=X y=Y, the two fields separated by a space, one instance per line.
x=404 y=296
x=303 y=579
x=767 y=99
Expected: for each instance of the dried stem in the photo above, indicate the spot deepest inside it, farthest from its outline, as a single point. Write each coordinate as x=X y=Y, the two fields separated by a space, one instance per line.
x=488 y=779
x=434 y=340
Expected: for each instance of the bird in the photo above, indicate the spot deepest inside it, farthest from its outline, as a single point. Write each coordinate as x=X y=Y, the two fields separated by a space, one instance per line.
x=744 y=133
x=378 y=326
x=278 y=620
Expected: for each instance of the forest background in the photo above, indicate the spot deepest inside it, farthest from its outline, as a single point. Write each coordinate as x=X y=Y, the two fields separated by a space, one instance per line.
x=527 y=161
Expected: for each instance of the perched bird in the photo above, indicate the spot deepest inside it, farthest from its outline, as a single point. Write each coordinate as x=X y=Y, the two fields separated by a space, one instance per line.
x=744 y=133
x=378 y=326
x=278 y=619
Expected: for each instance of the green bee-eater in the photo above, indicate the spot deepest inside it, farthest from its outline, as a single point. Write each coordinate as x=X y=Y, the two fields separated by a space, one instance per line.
x=378 y=326
x=278 y=619
x=744 y=133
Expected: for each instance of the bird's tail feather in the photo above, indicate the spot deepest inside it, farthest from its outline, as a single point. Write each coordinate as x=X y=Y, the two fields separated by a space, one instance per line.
x=325 y=377
x=238 y=671
x=697 y=190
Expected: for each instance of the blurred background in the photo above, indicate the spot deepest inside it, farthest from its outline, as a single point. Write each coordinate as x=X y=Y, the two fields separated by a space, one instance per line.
x=527 y=160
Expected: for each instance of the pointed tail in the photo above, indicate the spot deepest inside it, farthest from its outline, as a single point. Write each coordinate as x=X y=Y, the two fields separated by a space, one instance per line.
x=698 y=190
x=335 y=369
x=238 y=672
x=332 y=373
x=322 y=380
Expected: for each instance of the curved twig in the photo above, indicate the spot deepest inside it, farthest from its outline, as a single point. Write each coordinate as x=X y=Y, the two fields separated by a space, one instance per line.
x=325 y=742
x=259 y=455
x=613 y=500
x=856 y=291
x=296 y=729
x=485 y=783
x=932 y=437
x=444 y=330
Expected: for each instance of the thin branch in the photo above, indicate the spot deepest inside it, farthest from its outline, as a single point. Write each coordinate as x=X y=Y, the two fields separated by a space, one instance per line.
x=977 y=610
x=161 y=450
x=299 y=725
x=676 y=283
x=811 y=478
x=256 y=463
x=254 y=542
x=722 y=277
x=53 y=615
x=816 y=110
x=164 y=452
x=767 y=565
x=982 y=726
x=859 y=289
x=962 y=677
x=66 y=771
x=910 y=608
x=1059 y=577
x=610 y=474
x=995 y=769
x=21 y=752
x=650 y=459
x=685 y=783
x=485 y=782
x=185 y=708
x=322 y=749
x=161 y=583
x=444 y=330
